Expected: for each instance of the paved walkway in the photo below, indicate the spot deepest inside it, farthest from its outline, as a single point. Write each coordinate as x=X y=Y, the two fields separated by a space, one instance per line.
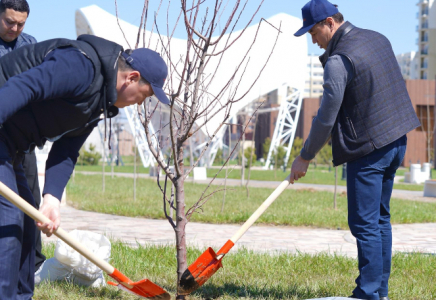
x=412 y=237
x=406 y=238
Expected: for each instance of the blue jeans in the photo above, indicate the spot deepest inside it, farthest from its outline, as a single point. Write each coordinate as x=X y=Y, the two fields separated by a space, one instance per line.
x=17 y=233
x=369 y=187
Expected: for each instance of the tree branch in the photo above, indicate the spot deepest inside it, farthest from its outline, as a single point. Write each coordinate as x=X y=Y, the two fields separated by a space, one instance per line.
x=118 y=21
x=144 y=12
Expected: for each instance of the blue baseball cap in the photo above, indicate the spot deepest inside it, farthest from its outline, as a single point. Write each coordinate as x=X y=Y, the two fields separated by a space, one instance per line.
x=152 y=68
x=315 y=11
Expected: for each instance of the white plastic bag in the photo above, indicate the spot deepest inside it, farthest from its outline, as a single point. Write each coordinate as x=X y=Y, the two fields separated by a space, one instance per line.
x=68 y=264
x=95 y=242
x=51 y=270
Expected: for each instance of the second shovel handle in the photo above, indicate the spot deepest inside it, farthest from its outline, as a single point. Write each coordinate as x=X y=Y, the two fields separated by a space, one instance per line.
x=32 y=212
x=261 y=209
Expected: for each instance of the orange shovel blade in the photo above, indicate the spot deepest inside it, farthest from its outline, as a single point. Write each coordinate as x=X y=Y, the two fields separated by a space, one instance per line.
x=143 y=288
x=199 y=272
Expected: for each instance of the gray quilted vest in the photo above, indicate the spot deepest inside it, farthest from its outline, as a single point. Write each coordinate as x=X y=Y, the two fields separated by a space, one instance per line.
x=376 y=109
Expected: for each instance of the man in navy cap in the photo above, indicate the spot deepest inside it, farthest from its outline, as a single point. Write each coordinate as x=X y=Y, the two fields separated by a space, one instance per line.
x=366 y=112
x=58 y=90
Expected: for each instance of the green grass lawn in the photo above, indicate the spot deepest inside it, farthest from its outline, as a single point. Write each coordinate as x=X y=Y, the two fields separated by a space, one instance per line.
x=117 y=169
x=293 y=207
x=250 y=275
x=409 y=186
x=318 y=175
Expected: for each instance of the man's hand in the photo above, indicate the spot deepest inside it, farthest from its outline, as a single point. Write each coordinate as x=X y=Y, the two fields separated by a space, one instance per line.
x=50 y=209
x=299 y=168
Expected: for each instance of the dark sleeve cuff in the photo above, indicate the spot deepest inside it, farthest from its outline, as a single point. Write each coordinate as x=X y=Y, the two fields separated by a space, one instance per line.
x=305 y=155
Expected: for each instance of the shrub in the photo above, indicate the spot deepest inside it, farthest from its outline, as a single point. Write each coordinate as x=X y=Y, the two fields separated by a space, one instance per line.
x=247 y=154
x=89 y=158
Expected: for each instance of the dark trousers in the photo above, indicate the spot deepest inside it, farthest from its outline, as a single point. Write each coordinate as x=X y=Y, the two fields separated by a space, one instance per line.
x=17 y=233
x=31 y=173
x=370 y=181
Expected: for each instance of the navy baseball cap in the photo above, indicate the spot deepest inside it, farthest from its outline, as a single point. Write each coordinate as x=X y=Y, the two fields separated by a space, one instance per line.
x=152 y=68
x=315 y=11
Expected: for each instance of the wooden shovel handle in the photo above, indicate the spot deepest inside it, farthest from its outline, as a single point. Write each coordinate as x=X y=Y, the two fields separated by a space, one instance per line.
x=261 y=209
x=32 y=212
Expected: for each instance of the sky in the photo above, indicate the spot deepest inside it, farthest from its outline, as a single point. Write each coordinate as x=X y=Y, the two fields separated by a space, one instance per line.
x=396 y=19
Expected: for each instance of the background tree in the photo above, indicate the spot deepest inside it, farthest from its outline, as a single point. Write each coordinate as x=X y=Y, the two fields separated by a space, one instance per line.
x=265 y=147
x=250 y=153
x=295 y=151
x=325 y=156
x=89 y=157
x=278 y=157
x=219 y=157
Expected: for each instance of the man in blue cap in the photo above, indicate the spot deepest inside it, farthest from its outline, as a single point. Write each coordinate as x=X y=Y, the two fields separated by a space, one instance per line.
x=366 y=112
x=58 y=90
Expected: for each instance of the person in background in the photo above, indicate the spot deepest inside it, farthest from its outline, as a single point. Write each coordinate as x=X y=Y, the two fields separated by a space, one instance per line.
x=366 y=112
x=13 y=17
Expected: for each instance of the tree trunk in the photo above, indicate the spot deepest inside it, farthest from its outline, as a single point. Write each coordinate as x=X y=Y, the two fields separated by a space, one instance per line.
x=251 y=156
x=242 y=157
x=227 y=168
x=191 y=158
x=181 y=221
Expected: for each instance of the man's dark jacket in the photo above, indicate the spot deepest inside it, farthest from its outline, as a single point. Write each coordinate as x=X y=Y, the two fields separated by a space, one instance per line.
x=49 y=119
x=376 y=109
x=65 y=120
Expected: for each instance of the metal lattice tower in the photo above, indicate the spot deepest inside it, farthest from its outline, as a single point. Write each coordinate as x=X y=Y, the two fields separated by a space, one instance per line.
x=140 y=138
x=108 y=155
x=287 y=120
x=216 y=143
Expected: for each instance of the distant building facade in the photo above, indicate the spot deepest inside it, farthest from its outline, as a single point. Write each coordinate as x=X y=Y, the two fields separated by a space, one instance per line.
x=408 y=63
x=426 y=41
x=314 y=77
x=420 y=145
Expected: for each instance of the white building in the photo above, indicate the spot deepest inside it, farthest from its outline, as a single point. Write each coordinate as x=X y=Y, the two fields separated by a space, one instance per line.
x=314 y=77
x=408 y=63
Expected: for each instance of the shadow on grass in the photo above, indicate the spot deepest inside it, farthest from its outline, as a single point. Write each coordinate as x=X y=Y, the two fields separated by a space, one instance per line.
x=292 y=291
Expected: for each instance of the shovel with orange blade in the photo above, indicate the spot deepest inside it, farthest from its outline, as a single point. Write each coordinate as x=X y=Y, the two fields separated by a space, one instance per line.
x=143 y=288
x=209 y=262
